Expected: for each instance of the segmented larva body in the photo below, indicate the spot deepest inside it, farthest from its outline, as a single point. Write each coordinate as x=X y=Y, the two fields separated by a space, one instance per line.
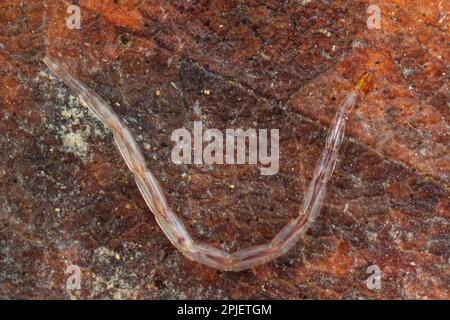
x=171 y=225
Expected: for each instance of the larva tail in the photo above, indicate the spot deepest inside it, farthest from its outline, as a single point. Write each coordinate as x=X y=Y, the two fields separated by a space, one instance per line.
x=63 y=73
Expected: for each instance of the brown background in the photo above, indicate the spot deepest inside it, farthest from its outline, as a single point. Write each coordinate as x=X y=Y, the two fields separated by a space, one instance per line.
x=66 y=196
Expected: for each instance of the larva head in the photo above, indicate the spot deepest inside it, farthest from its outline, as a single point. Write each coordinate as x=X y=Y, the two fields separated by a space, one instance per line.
x=362 y=81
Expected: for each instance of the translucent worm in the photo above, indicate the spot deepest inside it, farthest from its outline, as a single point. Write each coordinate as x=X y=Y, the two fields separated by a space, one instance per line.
x=171 y=225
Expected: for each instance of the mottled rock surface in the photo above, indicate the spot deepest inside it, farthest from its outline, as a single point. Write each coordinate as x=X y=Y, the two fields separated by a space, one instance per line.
x=67 y=198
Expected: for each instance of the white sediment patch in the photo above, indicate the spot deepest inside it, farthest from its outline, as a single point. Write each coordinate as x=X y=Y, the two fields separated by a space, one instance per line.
x=75 y=143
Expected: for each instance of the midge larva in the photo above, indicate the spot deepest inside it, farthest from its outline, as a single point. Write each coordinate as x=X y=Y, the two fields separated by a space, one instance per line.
x=172 y=226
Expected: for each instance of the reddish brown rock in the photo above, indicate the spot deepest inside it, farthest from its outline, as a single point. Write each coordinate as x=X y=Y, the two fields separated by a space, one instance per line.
x=66 y=197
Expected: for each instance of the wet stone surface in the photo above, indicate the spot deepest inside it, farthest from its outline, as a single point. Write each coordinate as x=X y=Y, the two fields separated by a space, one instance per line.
x=67 y=198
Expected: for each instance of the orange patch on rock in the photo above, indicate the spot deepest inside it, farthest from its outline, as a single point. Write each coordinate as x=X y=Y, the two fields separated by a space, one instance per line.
x=124 y=14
